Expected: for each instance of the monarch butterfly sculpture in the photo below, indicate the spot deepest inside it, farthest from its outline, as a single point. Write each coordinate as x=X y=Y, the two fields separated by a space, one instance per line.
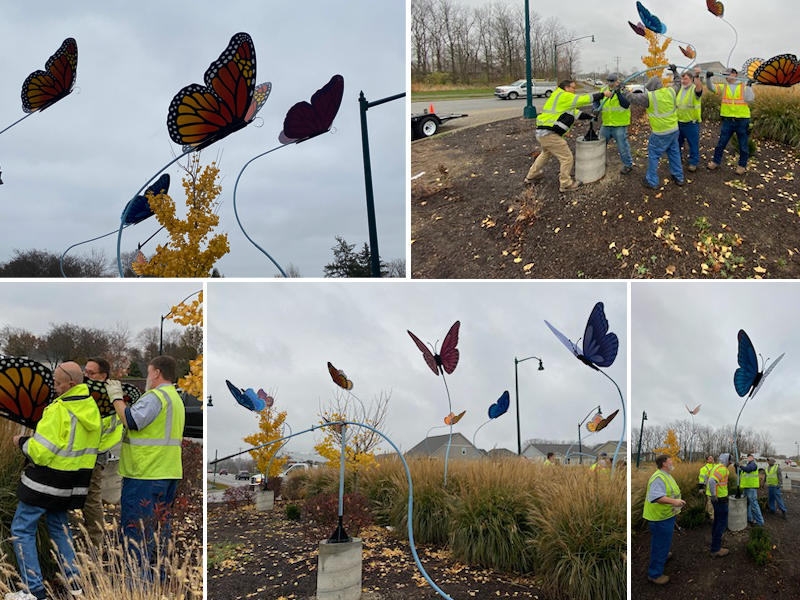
x=42 y=89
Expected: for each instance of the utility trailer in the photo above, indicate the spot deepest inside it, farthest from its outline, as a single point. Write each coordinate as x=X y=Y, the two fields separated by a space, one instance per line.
x=427 y=123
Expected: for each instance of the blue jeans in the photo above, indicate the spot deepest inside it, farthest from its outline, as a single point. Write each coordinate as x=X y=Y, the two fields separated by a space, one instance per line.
x=753 y=509
x=660 y=542
x=145 y=508
x=774 y=497
x=620 y=135
x=730 y=126
x=691 y=133
x=23 y=528
x=719 y=525
x=657 y=146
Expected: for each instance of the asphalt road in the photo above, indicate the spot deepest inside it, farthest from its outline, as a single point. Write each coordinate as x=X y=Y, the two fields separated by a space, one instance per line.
x=480 y=110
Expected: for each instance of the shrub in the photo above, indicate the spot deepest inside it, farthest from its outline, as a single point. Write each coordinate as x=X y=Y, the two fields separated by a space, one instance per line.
x=293 y=512
x=294 y=488
x=776 y=115
x=438 y=78
x=323 y=509
x=694 y=516
x=759 y=546
x=237 y=496
x=275 y=484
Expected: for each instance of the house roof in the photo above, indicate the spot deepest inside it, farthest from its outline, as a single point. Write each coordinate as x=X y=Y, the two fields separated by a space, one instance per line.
x=500 y=453
x=430 y=445
x=554 y=448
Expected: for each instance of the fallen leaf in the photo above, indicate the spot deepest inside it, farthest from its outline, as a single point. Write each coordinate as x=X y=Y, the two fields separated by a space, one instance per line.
x=759 y=269
x=518 y=259
x=612 y=245
x=671 y=270
x=557 y=229
x=527 y=267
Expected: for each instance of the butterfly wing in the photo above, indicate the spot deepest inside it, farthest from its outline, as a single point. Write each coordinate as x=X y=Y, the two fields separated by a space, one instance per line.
x=746 y=374
x=564 y=340
x=130 y=392
x=26 y=388
x=604 y=422
x=751 y=65
x=599 y=346
x=97 y=390
x=201 y=115
x=764 y=376
x=782 y=71
x=305 y=120
x=140 y=206
x=652 y=22
x=430 y=359
x=715 y=7
x=500 y=407
x=448 y=420
x=638 y=28
x=696 y=409
x=688 y=52
x=42 y=89
x=239 y=395
x=449 y=353
x=259 y=99
x=457 y=418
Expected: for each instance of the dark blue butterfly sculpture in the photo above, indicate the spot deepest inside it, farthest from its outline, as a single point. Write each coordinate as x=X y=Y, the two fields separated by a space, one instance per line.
x=747 y=377
x=649 y=20
x=140 y=207
x=500 y=407
x=247 y=398
x=599 y=347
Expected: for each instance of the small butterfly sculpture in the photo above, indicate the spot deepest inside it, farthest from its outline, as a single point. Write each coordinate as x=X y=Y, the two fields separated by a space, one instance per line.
x=339 y=378
x=452 y=418
x=604 y=422
x=305 y=121
x=715 y=7
x=695 y=411
x=139 y=263
x=638 y=28
x=42 y=89
x=500 y=407
x=140 y=206
x=447 y=359
x=599 y=347
x=592 y=425
x=688 y=52
x=247 y=398
x=268 y=400
x=747 y=377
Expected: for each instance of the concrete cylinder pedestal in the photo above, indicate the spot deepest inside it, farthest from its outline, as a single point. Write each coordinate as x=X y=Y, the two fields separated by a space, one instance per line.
x=787 y=484
x=265 y=500
x=339 y=570
x=737 y=513
x=590 y=160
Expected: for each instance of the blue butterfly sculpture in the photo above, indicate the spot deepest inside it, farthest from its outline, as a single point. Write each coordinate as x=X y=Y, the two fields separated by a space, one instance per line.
x=500 y=407
x=599 y=347
x=747 y=377
x=247 y=398
x=649 y=20
x=140 y=207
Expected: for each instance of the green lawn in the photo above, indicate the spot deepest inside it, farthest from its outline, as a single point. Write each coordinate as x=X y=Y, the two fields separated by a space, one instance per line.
x=452 y=94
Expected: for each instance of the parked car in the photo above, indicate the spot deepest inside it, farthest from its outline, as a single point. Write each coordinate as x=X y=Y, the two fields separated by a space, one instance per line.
x=635 y=88
x=520 y=88
x=223 y=471
x=256 y=479
x=293 y=467
x=244 y=475
x=598 y=82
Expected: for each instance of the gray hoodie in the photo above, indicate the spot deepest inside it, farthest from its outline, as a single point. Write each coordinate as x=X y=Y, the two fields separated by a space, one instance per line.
x=725 y=459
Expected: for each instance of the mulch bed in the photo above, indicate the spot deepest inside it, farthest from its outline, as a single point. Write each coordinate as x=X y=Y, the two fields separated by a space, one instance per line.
x=472 y=217
x=695 y=574
x=273 y=558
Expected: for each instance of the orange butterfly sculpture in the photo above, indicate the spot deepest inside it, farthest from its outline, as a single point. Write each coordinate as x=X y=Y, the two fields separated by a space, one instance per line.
x=592 y=425
x=339 y=378
x=42 y=89
x=715 y=7
x=695 y=411
x=452 y=419
x=604 y=422
x=688 y=52
x=782 y=71
x=26 y=388
x=139 y=263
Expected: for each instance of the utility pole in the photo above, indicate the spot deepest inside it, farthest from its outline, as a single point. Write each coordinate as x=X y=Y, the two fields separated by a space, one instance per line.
x=617 y=59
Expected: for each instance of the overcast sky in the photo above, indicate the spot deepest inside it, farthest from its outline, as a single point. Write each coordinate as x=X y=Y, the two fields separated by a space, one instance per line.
x=260 y=336
x=684 y=340
x=33 y=306
x=766 y=28
x=70 y=170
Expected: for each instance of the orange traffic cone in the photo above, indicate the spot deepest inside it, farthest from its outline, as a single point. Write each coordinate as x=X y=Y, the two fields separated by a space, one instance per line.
x=430 y=110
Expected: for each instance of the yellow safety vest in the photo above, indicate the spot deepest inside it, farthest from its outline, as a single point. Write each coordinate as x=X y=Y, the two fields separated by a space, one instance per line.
x=704 y=472
x=559 y=103
x=772 y=475
x=110 y=434
x=720 y=475
x=749 y=480
x=653 y=511
x=663 y=111
x=733 y=104
x=613 y=113
x=155 y=451
x=548 y=463
x=689 y=106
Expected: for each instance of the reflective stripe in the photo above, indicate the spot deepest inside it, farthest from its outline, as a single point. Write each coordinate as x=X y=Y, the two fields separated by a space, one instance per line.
x=554 y=101
x=167 y=439
x=142 y=442
x=66 y=451
x=605 y=108
x=654 y=103
x=52 y=491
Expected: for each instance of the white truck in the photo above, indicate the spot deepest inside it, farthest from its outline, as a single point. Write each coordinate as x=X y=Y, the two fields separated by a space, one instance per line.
x=519 y=89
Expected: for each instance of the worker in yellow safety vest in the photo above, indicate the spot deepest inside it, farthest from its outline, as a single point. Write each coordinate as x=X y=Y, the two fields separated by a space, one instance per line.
x=548 y=462
x=553 y=122
x=774 y=478
x=702 y=481
x=150 y=461
x=662 y=503
x=616 y=116
x=735 y=113
x=717 y=490
x=601 y=464
x=749 y=483
x=662 y=111
x=690 y=94
x=60 y=457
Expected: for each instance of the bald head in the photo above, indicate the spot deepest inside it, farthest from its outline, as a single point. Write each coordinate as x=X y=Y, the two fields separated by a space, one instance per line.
x=66 y=376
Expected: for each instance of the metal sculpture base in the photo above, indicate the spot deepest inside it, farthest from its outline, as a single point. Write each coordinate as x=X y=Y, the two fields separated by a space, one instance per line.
x=339 y=570
x=265 y=501
x=339 y=536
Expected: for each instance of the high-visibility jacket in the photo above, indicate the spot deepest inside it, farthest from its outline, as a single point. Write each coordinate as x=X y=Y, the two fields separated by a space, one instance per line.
x=155 y=451
x=653 y=511
x=613 y=113
x=62 y=452
x=733 y=103
x=663 y=111
x=111 y=433
x=689 y=106
x=548 y=463
x=772 y=475
x=719 y=474
x=749 y=480
x=704 y=471
x=559 y=104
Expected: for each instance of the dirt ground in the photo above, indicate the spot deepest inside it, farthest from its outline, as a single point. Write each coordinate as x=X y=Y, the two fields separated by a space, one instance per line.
x=695 y=574
x=267 y=556
x=472 y=217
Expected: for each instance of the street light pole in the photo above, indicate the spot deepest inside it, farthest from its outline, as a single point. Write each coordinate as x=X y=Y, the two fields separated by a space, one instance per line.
x=530 y=111
x=516 y=389
x=555 y=54
x=166 y=316
x=641 y=431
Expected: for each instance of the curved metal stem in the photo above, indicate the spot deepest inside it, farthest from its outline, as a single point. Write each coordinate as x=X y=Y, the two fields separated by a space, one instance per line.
x=235 y=212
x=427 y=446
x=15 y=122
x=61 y=260
x=736 y=447
x=636 y=75
x=624 y=422
x=130 y=203
x=735 y=43
x=450 y=438
x=474 y=435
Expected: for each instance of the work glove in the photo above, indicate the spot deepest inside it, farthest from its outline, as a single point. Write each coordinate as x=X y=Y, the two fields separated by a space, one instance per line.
x=114 y=389
x=709 y=74
x=673 y=68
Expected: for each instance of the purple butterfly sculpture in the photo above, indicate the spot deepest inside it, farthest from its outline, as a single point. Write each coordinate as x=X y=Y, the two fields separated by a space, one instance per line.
x=268 y=400
x=599 y=346
x=304 y=120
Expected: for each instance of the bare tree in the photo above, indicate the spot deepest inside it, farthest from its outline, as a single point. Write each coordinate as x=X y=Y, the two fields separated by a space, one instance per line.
x=16 y=341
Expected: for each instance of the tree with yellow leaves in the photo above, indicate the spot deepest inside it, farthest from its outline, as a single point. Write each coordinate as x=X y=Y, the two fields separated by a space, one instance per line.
x=671 y=446
x=657 y=55
x=190 y=252
x=188 y=315
x=270 y=425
